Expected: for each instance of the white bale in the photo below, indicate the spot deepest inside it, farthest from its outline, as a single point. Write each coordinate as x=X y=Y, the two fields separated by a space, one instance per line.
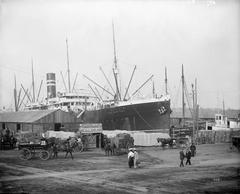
x=141 y=138
x=59 y=134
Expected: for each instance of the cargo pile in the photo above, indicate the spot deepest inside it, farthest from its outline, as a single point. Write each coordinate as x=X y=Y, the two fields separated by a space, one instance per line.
x=29 y=137
x=211 y=137
x=122 y=141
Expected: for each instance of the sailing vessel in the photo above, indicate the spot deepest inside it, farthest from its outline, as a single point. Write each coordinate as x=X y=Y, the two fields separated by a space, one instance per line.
x=126 y=113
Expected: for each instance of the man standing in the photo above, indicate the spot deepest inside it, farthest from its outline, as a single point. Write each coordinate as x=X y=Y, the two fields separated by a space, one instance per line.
x=68 y=149
x=193 y=149
x=181 y=157
x=136 y=158
x=55 y=151
x=188 y=156
x=130 y=158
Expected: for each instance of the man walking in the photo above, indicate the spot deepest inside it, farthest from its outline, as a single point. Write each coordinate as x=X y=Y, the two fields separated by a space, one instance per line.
x=193 y=149
x=181 y=157
x=68 y=150
x=188 y=156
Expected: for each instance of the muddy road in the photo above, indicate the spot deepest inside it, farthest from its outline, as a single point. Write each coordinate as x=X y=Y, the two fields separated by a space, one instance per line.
x=215 y=169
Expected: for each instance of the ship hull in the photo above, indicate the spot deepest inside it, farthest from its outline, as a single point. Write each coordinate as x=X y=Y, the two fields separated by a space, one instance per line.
x=141 y=116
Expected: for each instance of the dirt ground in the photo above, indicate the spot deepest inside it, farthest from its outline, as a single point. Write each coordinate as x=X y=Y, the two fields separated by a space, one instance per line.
x=215 y=169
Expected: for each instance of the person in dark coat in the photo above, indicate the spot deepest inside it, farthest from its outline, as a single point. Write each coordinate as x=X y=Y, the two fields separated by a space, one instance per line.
x=68 y=149
x=55 y=151
x=188 y=156
x=182 y=156
x=131 y=158
x=193 y=149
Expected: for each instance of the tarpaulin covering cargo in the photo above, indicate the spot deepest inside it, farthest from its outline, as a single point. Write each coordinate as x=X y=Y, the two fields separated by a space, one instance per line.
x=29 y=137
x=123 y=140
x=59 y=134
x=141 y=138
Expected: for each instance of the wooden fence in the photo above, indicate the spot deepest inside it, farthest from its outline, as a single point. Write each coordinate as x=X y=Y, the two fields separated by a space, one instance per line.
x=211 y=137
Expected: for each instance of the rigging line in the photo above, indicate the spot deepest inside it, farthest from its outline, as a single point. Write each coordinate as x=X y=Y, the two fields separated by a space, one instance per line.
x=187 y=97
x=106 y=79
x=142 y=118
x=98 y=85
x=177 y=94
x=15 y=69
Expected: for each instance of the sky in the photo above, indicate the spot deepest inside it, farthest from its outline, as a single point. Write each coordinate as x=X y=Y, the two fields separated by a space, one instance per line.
x=202 y=35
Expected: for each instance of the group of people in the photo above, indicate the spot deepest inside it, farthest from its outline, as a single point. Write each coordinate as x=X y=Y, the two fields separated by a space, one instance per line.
x=68 y=149
x=190 y=152
x=133 y=158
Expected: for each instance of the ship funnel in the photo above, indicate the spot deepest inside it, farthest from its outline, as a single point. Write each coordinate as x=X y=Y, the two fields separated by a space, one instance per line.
x=51 y=85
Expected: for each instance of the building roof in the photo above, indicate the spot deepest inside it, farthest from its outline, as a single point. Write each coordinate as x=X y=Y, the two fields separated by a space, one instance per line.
x=24 y=116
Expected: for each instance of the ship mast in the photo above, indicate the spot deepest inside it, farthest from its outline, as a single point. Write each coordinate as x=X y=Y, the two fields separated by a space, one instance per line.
x=166 y=90
x=15 y=94
x=115 y=68
x=33 y=84
x=68 y=70
x=183 y=103
x=223 y=108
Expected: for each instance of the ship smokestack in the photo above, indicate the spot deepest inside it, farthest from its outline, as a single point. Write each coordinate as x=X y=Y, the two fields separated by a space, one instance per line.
x=51 y=85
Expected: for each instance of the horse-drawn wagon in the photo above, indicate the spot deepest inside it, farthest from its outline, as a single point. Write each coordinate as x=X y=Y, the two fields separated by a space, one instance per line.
x=118 y=144
x=35 y=144
x=29 y=150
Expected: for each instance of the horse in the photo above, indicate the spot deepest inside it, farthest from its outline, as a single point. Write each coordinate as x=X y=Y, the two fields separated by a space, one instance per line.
x=163 y=141
x=70 y=145
x=109 y=147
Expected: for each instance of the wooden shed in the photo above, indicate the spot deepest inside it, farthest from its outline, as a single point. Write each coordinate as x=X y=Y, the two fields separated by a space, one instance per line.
x=38 y=120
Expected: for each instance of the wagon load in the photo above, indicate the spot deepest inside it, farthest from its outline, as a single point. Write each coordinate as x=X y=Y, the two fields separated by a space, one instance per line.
x=29 y=137
x=122 y=142
x=63 y=135
x=60 y=138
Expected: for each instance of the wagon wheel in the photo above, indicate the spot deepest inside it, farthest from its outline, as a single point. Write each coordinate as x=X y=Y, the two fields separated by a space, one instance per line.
x=79 y=147
x=44 y=154
x=25 y=154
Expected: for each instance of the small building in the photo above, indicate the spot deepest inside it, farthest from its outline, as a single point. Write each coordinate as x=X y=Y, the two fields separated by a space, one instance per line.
x=38 y=120
x=223 y=123
x=93 y=134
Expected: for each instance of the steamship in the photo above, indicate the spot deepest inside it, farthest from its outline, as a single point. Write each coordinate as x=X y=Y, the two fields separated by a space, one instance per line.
x=66 y=101
x=126 y=113
x=119 y=113
x=141 y=114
